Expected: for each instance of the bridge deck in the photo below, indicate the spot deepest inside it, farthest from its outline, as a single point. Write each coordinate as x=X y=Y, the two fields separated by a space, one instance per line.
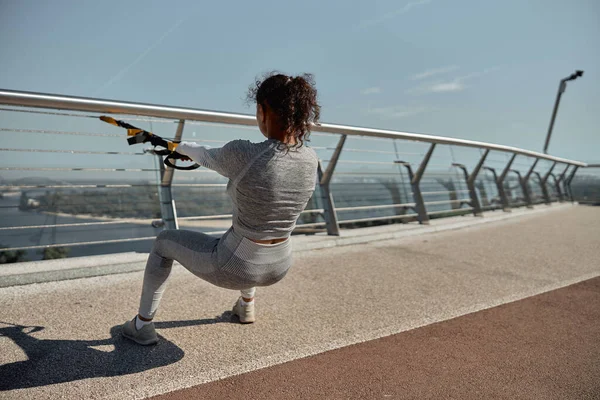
x=333 y=297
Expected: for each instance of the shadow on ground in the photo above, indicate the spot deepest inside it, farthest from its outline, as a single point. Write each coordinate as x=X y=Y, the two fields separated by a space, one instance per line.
x=53 y=361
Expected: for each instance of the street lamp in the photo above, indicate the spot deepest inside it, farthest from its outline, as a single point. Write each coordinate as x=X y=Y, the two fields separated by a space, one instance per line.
x=561 y=89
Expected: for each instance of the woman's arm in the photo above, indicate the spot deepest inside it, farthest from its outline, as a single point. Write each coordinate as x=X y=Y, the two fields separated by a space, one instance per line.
x=225 y=160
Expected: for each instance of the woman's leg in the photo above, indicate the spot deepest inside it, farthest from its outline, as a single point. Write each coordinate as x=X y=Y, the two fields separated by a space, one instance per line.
x=156 y=274
x=248 y=294
x=193 y=250
x=244 y=306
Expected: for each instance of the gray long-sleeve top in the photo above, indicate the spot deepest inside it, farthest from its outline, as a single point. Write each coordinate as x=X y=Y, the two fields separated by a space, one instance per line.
x=268 y=187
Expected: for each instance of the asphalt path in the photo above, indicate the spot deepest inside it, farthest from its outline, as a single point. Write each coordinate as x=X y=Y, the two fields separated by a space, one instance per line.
x=543 y=347
x=64 y=341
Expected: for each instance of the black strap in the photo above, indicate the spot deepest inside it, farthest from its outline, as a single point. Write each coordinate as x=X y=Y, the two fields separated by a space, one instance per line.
x=142 y=136
x=168 y=163
x=174 y=156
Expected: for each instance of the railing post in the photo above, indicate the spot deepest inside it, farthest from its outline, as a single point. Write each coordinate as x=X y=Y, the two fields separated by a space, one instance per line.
x=471 y=184
x=523 y=183
x=331 y=221
x=498 y=187
x=415 y=180
x=527 y=176
x=470 y=179
x=474 y=203
x=168 y=210
x=568 y=183
x=558 y=182
x=500 y=184
x=543 y=187
x=417 y=197
x=557 y=188
x=545 y=180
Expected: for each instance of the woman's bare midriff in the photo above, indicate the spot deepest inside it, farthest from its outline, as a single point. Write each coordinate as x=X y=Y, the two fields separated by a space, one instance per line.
x=272 y=241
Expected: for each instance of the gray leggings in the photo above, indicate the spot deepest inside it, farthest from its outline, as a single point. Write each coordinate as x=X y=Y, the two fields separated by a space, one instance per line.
x=231 y=262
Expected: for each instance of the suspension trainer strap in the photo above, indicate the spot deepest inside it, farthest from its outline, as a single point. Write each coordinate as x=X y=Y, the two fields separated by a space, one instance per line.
x=138 y=135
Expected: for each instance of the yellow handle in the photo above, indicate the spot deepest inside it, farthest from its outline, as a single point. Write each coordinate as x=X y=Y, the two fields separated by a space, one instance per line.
x=172 y=146
x=109 y=120
x=133 y=132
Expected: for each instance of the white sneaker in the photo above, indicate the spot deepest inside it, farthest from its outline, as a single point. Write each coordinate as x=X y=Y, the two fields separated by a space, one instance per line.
x=244 y=312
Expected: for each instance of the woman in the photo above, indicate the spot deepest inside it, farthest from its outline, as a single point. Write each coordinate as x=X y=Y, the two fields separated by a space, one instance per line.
x=270 y=184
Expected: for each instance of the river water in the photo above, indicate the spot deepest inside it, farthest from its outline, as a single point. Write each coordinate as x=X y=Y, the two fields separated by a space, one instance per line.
x=11 y=216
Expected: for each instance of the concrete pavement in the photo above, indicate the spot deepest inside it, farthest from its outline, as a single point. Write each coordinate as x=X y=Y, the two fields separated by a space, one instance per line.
x=332 y=297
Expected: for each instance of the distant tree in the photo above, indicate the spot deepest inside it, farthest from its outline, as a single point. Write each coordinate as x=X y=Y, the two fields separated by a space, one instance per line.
x=51 y=253
x=11 y=256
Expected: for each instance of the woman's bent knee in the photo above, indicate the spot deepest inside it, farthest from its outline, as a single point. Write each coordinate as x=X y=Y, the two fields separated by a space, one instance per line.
x=161 y=242
x=166 y=234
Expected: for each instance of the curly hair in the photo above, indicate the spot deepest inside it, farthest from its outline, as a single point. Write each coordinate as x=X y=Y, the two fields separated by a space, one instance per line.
x=293 y=100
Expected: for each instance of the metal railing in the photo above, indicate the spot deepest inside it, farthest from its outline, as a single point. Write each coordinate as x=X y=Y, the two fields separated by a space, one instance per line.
x=585 y=187
x=410 y=187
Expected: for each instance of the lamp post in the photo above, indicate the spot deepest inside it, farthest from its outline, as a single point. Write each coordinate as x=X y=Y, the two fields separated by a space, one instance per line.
x=561 y=88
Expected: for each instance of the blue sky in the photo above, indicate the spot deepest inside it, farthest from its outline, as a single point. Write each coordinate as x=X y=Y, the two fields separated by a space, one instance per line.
x=481 y=70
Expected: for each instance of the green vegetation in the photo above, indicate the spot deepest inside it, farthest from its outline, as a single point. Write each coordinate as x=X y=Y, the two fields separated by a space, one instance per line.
x=14 y=256
x=11 y=256
x=453 y=213
x=51 y=253
x=134 y=202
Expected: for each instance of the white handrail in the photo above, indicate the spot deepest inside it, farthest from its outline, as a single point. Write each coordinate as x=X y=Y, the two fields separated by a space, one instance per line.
x=42 y=100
